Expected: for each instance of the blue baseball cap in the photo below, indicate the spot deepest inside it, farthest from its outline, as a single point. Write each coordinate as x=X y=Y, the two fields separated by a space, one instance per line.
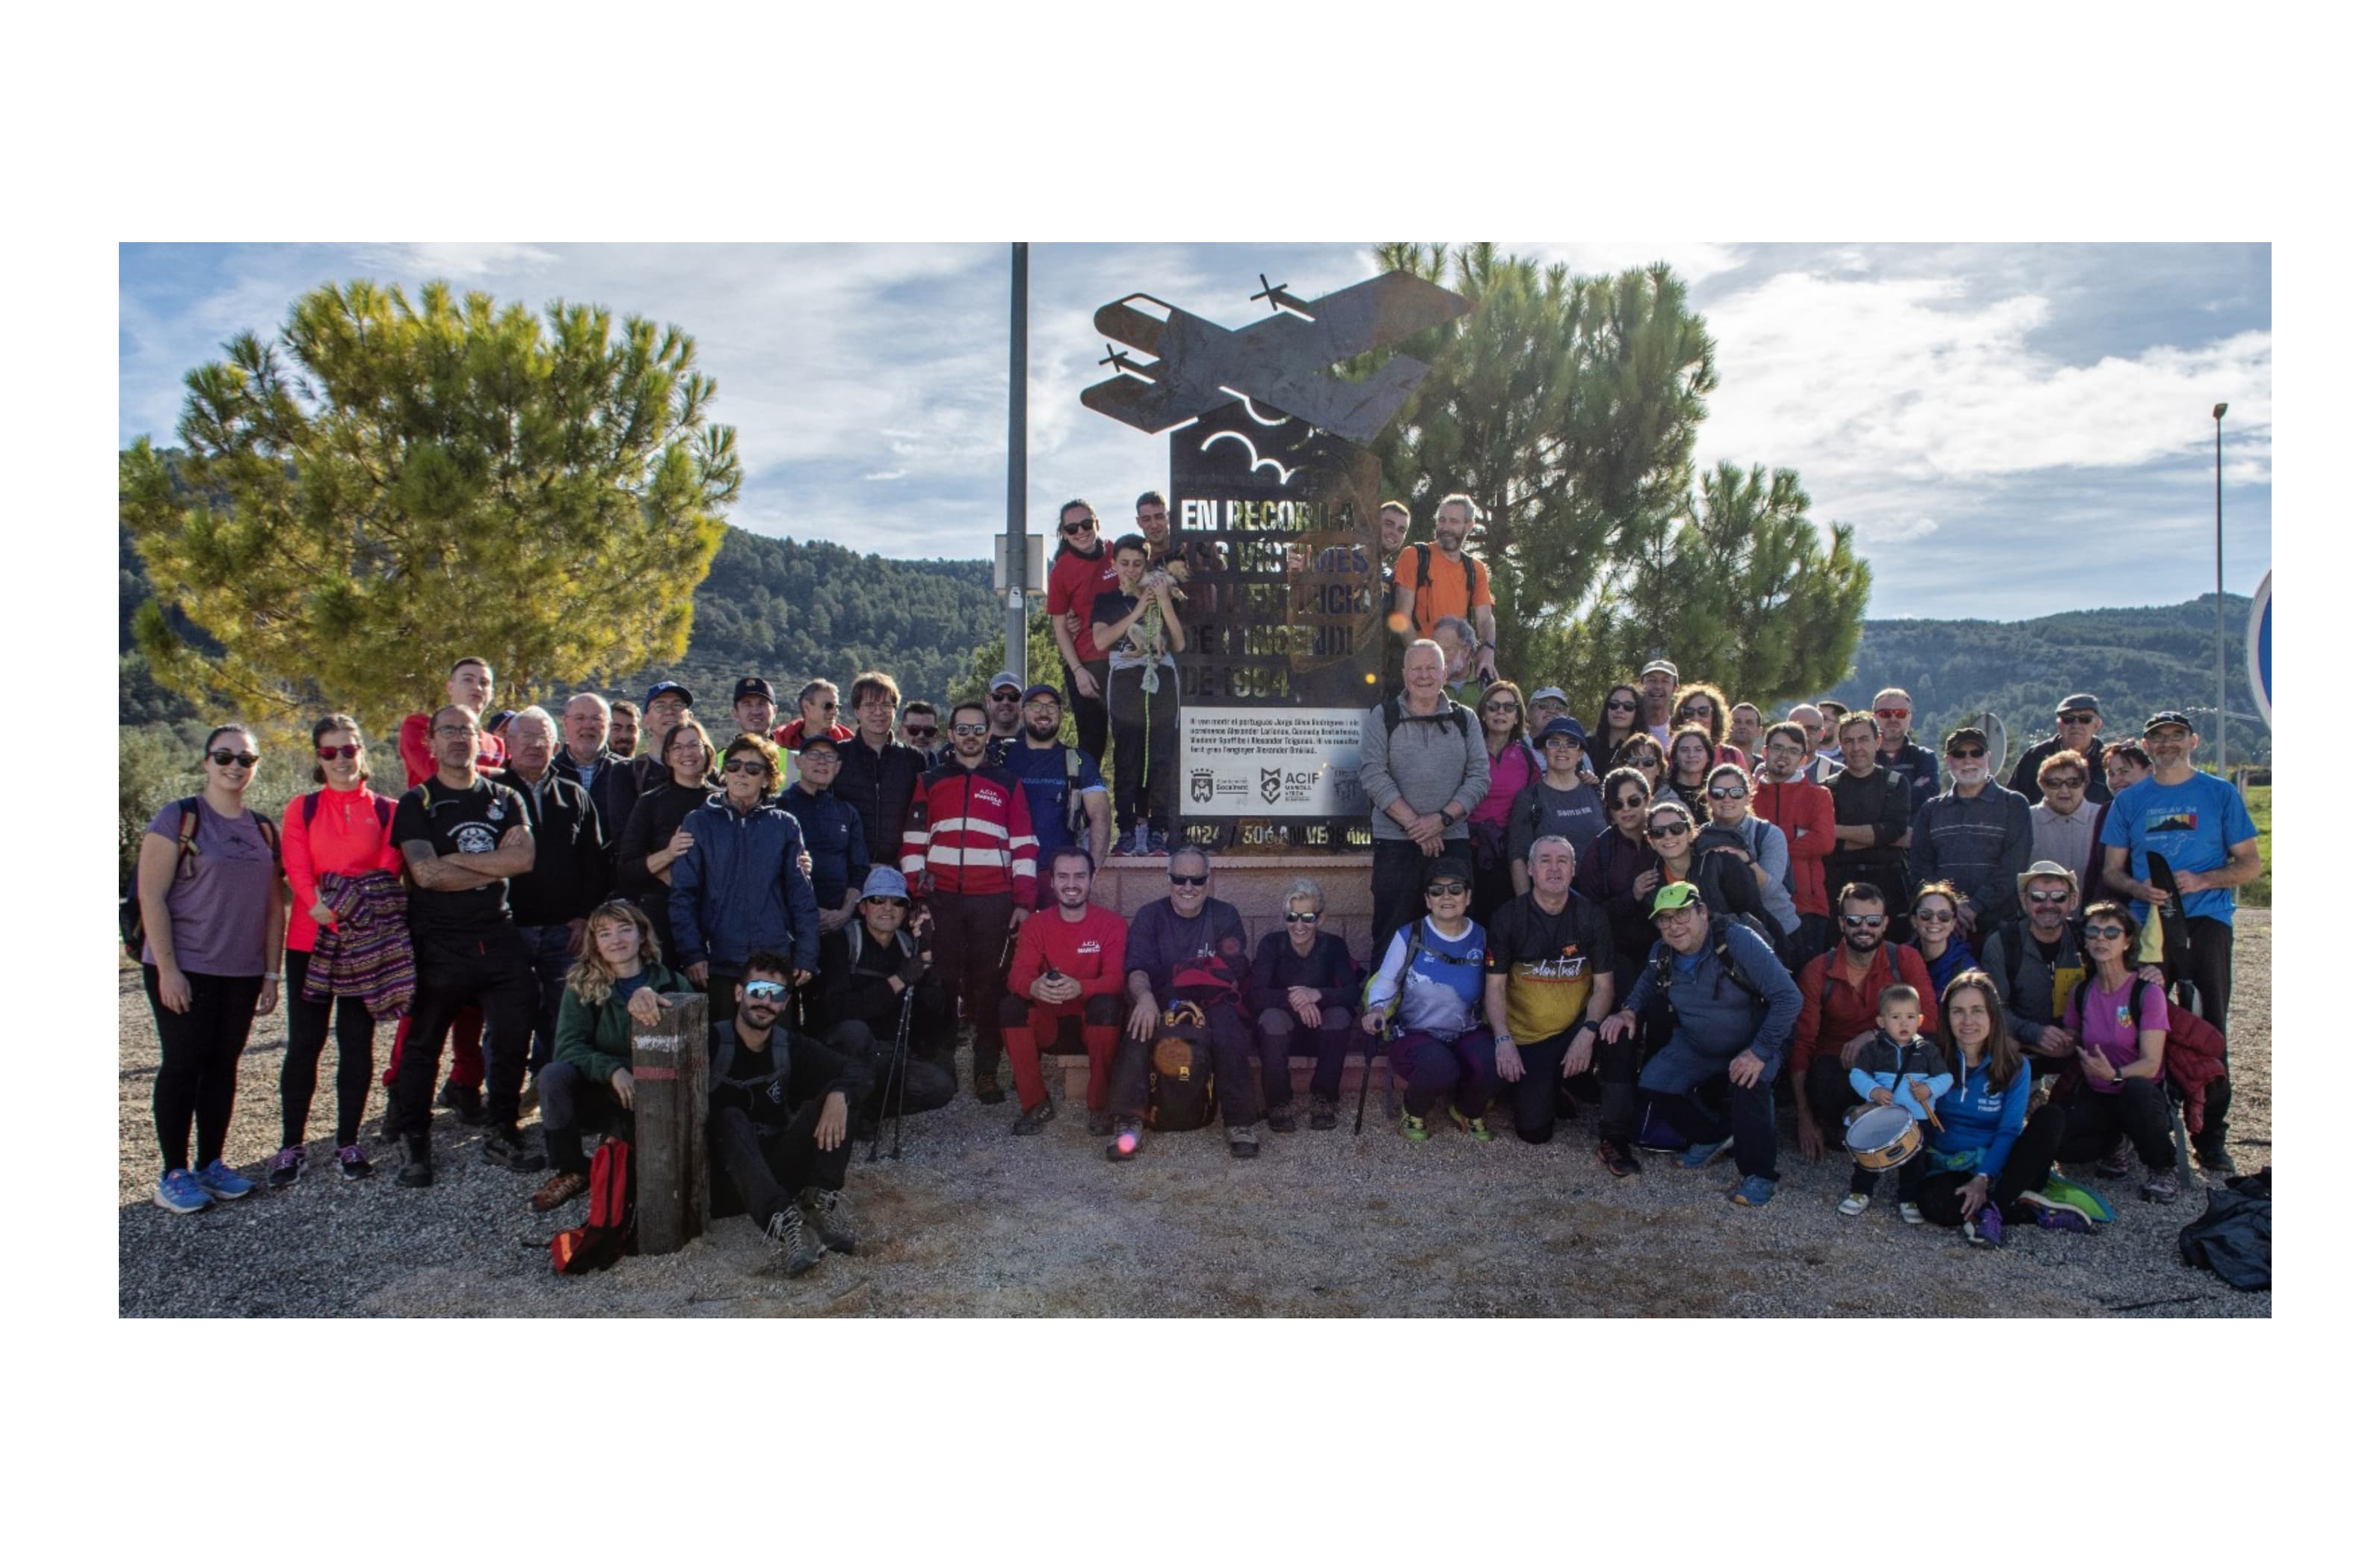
x=1563 y=726
x=883 y=882
x=654 y=693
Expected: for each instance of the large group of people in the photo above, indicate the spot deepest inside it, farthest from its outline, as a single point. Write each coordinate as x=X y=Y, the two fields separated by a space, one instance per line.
x=1649 y=924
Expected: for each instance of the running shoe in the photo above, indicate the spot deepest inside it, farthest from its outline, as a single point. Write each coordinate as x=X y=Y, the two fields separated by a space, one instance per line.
x=799 y=1243
x=1855 y=1205
x=1754 y=1191
x=1700 y=1154
x=1245 y=1142
x=1911 y=1213
x=1033 y=1118
x=564 y=1186
x=353 y=1164
x=2061 y=1190
x=2162 y=1186
x=223 y=1184
x=502 y=1146
x=286 y=1167
x=832 y=1217
x=2054 y=1213
x=1985 y=1228
x=1472 y=1126
x=179 y=1192
x=1414 y=1127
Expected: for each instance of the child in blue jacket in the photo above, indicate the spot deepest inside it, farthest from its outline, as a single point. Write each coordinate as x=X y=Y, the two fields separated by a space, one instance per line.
x=1900 y=1067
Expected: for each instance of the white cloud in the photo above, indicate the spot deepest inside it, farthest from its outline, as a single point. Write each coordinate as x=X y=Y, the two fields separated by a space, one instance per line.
x=894 y=473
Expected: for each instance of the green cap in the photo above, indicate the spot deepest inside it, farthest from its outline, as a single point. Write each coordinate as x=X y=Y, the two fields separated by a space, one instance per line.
x=1675 y=896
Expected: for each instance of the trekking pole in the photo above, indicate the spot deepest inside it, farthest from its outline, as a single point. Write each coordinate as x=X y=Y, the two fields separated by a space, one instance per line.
x=1362 y=1100
x=895 y=1083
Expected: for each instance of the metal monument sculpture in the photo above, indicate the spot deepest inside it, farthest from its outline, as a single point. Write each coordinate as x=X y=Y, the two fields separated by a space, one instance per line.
x=1275 y=499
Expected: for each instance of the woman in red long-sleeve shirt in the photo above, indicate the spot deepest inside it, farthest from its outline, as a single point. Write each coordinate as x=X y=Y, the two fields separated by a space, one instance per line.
x=1803 y=810
x=345 y=834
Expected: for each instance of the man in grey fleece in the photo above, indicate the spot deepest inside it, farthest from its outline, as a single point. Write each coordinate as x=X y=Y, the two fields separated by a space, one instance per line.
x=1976 y=834
x=1425 y=775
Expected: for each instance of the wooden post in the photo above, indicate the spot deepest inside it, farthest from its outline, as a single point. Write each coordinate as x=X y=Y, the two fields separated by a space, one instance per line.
x=672 y=1073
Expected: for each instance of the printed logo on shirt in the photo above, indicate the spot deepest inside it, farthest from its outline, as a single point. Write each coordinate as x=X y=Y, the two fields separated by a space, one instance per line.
x=988 y=796
x=474 y=838
x=2177 y=819
x=1989 y=1104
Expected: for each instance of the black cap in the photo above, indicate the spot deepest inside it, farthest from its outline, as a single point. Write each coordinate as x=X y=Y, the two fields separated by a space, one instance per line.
x=652 y=693
x=2078 y=702
x=753 y=686
x=1449 y=868
x=2168 y=715
x=820 y=738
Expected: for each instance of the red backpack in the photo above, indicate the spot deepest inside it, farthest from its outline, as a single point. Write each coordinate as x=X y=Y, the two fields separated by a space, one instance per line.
x=609 y=1233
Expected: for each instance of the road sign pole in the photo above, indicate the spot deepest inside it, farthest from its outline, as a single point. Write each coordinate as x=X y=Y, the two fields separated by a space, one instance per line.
x=1017 y=562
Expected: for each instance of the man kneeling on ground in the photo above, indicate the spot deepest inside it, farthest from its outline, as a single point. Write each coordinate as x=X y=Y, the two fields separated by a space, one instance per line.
x=870 y=965
x=780 y=1121
x=1549 y=959
x=1068 y=964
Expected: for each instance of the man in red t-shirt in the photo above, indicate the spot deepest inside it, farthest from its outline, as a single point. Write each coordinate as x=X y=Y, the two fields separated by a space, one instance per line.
x=468 y=685
x=1082 y=570
x=1068 y=964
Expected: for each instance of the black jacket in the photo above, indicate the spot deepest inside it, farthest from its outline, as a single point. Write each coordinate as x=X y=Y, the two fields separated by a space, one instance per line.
x=573 y=869
x=860 y=989
x=880 y=784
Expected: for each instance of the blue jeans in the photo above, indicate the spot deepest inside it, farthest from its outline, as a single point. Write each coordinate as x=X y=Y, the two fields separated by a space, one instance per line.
x=549 y=958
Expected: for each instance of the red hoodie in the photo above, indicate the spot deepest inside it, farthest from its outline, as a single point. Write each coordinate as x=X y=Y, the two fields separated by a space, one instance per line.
x=1803 y=810
x=347 y=838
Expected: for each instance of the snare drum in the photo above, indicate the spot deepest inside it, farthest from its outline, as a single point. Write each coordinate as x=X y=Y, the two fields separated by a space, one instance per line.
x=1883 y=1137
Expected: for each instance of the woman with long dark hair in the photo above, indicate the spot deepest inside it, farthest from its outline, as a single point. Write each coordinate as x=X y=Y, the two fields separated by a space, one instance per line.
x=1990 y=1160
x=2121 y=1021
x=655 y=836
x=212 y=911
x=1690 y=754
x=1945 y=953
x=1621 y=717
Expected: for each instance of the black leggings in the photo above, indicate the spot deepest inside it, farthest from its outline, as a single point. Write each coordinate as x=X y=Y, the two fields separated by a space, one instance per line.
x=197 y=1072
x=309 y=1028
x=1147 y=742
x=2028 y=1164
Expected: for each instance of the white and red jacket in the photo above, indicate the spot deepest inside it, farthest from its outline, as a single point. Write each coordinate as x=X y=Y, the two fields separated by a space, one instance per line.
x=969 y=833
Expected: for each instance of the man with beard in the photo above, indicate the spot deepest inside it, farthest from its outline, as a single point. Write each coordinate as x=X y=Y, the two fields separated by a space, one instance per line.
x=1060 y=783
x=1871 y=813
x=1840 y=994
x=970 y=852
x=1082 y=570
x=1976 y=835
x=779 y=1108
x=623 y=730
x=1189 y=947
x=1068 y=964
x=2036 y=964
x=1442 y=578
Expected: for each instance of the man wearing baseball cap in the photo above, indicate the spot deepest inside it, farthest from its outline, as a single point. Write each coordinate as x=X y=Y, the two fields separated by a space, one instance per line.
x=1547 y=704
x=2077 y=723
x=1976 y=834
x=1657 y=684
x=1734 y=1006
x=2198 y=825
x=666 y=703
x=1069 y=799
x=755 y=714
x=1006 y=714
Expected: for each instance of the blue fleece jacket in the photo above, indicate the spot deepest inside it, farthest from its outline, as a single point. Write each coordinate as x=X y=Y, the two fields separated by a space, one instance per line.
x=1981 y=1122
x=1716 y=1019
x=740 y=889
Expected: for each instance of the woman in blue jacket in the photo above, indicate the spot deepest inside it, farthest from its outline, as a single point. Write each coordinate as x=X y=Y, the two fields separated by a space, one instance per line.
x=739 y=888
x=1988 y=1166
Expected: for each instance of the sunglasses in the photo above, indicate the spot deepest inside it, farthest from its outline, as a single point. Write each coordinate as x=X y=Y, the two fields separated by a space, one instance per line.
x=825 y=704
x=1893 y=713
x=1935 y=914
x=1446 y=889
x=1080 y=527
x=745 y=764
x=225 y=757
x=1619 y=706
x=1667 y=830
x=2050 y=895
x=2104 y=934
x=881 y=899
x=1865 y=923
x=1629 y=802
x=1696 y=710
x=2077 y=718
x=1499 y=707
x=1294 y=919
x=920 y=732
x=1180 y=880
x=969 y=729
x=2061 y=783
x=328 y=752
x=1967 y=753
x=1727 y=791
x=765 y=990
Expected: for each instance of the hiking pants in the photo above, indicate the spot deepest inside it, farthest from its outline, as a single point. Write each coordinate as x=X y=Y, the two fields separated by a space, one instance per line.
x=488 y=967
x=1147 y=749
x=1431 y=1067
x=1279 y=1034
x=1028 y=1028
x=1749 y=1120
x=1533 y=1097
x=968 y=938
x=549 y=958
x=309 y=1030
x=2026 y=1168
x=2211 y=941
x=1615 y=1066
x=2094 y=1123
x=1088 y=713
x=197 y=1073
x=762 y=1169
x=573 y=1105
x=927 y=1083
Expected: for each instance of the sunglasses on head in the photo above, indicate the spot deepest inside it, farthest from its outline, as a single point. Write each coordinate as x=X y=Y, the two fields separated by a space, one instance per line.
x=1865 y=923
x=745 y=764
x=1727 y=791
x=1967 y=754
x=2050 y=895
x=328 y=752
x=224 y=756
x=765 y=990
x=1294 y=919
x=1181 y=880
x=2104 y=934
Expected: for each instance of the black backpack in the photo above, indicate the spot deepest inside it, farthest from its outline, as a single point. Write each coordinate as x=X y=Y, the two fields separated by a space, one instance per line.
x=129 y=923
x=1468 y=573
x=1662 y=967
x=1391 y=713
x=2232 y=1236
x=1181 y=1071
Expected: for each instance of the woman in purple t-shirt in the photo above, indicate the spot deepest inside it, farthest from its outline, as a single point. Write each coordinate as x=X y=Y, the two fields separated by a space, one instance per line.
x=2120 y=1021
x=214 y=916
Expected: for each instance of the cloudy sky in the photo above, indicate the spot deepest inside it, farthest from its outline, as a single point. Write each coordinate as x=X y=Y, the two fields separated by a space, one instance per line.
x=2013 y=430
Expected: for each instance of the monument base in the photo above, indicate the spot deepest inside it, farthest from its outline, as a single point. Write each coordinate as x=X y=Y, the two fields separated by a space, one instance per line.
x=1255 y=885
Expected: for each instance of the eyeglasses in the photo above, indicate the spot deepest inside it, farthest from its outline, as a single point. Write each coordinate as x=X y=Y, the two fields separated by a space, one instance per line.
x=1198 y=881
x=1078 y=528
x=2061 y=783
x=1727 y=791
x=1446 y=889
x=456 y=729
x=1967 y=753
x=1629 y=802
x=328 y=752
x=1619 y=706
x=1893 y=713
x=920 y=732
x=765 y=990
x=969 y=729
x=225 y=757
x=1865 y=923
x=1667 y=830
x=745 y=764
x=1935 y=914
x=2050 y=895
x=1294 y=919
x=2104 y=934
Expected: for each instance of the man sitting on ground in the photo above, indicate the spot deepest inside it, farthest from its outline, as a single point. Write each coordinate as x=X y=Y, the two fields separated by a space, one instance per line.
x=870 y=965
x=1841 y=992
x=2036 y=964
x=779 y=1121
x=1068 y=964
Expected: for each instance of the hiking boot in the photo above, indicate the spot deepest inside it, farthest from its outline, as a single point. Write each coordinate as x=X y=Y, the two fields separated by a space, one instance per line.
x=464 y=1100
x=1033 y=1118
x=502 y=1146
x=1855 y=1204
x=1101 y=1123
x=1414 y=1127
x=1323 y=1116
x=179 y=1192
x=390 y=1125
x=353 y=1165
x=1282 y=1120
x=560 y=1189
x=1125 y=1139
x=1754 y=1191
x=1245 y=1142
x=1911 y=1214
x=831 y=1216
x=1700 y=1154
x=221 y=1182
x=2161 y=1186
x=2213 y=1159
x=1619 y=1159
x=286 y=1167
x=792 y=1233
x=1472 y=1126
x=986 y=1090
x=417 y=1172
x=1985 y=1228
x=2053 y=1213
x=2117 y=1163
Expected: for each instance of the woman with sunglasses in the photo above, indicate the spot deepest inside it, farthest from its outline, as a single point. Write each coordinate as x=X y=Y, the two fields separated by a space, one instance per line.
x=1622 y=716
x=1704 y=704
x=655 y=835
x=1511 y=767
x=1619 y=871
x=1937 y=937
x=1431 y=982
x=1726 y=884
x=212 y=911
x=1647 y=755
x=339 y=831
x=2064 y=824
x=2121 y=1019
x=1690 y=754
x=589 y=1085
x=1303 y=993
x=1988 y=1161
x=1734 y=830
x=740 y=887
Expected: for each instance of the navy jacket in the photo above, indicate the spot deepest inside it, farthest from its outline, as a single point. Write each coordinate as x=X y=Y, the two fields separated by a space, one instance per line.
x=1981 y=843
x=836 y=841
x=740 y=889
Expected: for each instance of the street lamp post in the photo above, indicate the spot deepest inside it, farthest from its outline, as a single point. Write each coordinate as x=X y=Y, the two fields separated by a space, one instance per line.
x=2219 y=602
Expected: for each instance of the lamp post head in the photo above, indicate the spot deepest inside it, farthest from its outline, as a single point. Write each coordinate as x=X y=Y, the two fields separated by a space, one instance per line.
x=2220 y=411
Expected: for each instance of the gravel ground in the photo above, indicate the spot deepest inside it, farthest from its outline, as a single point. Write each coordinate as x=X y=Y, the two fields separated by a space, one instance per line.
x=971 y=1222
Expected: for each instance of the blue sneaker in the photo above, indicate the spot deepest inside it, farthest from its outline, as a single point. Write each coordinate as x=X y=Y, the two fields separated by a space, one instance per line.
x=1700 y=1154
x=179 y=1192
x=221 y=1181
x=1753 y=1191
x=1985 y=1228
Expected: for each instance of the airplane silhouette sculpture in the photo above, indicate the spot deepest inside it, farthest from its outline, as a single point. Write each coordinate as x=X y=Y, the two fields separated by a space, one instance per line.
x=1280 y=362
